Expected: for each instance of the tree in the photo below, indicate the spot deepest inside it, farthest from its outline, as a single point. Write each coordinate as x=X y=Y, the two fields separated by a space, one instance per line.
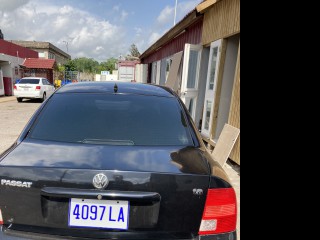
x=70 y=66
x=134 y=52
x=84 y=64
x=109 y=65
x=60 y=71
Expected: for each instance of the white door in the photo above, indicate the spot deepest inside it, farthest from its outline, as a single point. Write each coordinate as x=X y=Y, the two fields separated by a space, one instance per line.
x=126 y=73
x=214 y=57
x=190 y=77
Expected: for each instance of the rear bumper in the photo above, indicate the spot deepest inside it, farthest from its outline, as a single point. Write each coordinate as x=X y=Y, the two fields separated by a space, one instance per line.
x=33 y=94
x=6 y=234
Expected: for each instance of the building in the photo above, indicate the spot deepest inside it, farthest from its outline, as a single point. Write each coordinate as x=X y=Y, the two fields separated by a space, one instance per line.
x=46 y=50
x=39 y=67
x=11 y=57
x=126 y=70
x=200 y=59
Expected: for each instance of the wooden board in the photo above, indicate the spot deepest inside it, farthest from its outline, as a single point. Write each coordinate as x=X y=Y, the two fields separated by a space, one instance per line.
x=172 y=81
x=202 y=7
x=221 y=21
x=225 y=143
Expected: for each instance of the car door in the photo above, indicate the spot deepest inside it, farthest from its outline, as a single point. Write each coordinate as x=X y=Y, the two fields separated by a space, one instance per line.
x=48 y=87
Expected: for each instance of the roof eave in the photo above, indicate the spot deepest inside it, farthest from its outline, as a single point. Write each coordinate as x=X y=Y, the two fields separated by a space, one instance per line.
x=205 y=6
x=173 y=32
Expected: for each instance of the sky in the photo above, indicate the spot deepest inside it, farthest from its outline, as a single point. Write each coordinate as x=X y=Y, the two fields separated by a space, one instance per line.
x=97 y=29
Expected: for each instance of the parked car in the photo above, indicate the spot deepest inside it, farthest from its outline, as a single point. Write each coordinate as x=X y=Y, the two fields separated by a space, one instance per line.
x=33 y=87
x=113 y=160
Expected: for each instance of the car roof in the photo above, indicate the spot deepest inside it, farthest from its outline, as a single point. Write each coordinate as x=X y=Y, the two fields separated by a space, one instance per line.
x=116 y=86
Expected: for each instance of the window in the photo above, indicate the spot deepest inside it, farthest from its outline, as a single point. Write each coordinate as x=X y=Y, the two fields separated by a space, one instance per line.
x=168 y=66
x=113 y=119
x=29 y=81
x=41 y=55
x=45 y=82
x=154 y=72
x=213 y=67
x=190 y=107
x=207 y=115
x=193 y=63
x=52 y=55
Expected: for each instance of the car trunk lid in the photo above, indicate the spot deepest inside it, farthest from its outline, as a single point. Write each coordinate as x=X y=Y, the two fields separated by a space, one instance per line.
x=165 y=188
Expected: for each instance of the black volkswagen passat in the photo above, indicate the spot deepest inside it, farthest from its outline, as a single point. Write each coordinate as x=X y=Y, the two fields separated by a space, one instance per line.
x=113 y=160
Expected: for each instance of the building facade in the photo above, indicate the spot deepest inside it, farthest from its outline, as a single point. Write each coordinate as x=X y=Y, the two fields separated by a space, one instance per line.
x=45 y=50
x=200 y=59
x=11 y=58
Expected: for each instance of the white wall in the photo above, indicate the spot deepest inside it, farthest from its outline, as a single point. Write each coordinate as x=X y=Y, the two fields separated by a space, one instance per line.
x=141 y=73
x=110 y=77
x=227 y=83
x=7 y=65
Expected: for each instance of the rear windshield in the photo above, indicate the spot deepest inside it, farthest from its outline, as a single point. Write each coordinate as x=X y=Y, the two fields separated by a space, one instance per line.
x=112 y=119
x=30 y=81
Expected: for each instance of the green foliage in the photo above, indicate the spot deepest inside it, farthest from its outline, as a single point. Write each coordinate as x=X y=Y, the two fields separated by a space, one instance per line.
x=60 y=71
x=109 y=65
x=134 y=51
x=70 y=66
x=61 y=68
x=85 y=64
x=88 y=65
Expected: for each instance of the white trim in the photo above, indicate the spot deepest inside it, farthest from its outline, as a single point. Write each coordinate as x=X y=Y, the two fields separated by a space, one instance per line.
x=210 y=93
x=190 y=93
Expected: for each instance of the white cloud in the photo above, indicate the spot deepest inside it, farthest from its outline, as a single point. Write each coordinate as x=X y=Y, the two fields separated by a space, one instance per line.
x=185 y=7
x=116 y=8
x=124 y=15
x=153 y=37
x=86 y=35
x=166 y=15
x=138 y=31
x=10 y=5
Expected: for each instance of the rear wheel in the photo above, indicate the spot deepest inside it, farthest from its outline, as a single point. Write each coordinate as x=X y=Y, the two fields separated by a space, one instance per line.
x=19 y=99
x=43 y=97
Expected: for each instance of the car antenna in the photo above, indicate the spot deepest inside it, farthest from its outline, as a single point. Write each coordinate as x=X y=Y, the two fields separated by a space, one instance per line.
x=115 y=88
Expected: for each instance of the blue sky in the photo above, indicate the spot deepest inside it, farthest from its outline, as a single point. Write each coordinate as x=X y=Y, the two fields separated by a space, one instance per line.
x=97 y=29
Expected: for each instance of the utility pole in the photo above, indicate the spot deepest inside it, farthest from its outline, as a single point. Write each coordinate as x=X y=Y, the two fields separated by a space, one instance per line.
x=175 y=14
x=66 y=45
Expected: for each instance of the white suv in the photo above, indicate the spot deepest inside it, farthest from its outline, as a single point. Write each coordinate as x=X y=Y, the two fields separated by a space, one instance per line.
x=33 y=87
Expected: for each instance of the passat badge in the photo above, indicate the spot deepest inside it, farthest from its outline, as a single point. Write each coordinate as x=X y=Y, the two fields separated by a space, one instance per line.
x=100 y=181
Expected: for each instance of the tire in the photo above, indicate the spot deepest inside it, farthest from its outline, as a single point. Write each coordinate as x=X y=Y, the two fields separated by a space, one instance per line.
x=19 y=99
x=43 y=97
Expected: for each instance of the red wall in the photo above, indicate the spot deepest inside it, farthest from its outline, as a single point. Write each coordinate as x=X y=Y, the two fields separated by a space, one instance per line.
x=11 y=49
x=192 y=35
x=7 y=86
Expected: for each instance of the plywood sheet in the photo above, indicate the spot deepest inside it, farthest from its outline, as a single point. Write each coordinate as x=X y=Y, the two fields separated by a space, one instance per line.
x=225 y=143
x=174 y=70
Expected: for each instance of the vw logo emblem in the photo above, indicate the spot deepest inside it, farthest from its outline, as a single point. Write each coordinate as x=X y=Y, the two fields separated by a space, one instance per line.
x=100 y=181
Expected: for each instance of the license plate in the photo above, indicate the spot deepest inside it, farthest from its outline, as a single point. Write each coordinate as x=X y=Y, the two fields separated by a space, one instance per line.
x=26 y=89
x=98 y=213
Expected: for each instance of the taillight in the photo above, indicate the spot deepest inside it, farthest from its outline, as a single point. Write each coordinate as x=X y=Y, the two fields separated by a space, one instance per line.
x=1 y=219
x=38 y=87
x=220 y=212
x=15 y=87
